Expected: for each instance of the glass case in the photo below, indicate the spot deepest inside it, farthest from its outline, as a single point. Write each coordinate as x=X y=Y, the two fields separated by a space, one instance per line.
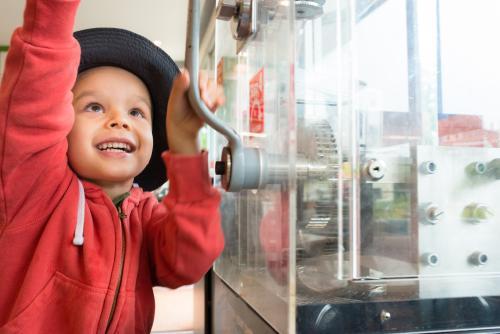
x=384 y=215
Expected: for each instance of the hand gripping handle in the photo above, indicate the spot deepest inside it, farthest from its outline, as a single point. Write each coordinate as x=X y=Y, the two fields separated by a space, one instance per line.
x=241 y=167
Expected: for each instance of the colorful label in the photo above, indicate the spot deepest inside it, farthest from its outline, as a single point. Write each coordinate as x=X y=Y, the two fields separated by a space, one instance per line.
x=257 y=102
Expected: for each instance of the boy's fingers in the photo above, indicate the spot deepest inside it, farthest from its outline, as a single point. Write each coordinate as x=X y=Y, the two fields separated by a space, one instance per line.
x=206 y=98
x=212 y=87
x=202 y=80
x=211 y=94
x=214 y=97
x=220 y=96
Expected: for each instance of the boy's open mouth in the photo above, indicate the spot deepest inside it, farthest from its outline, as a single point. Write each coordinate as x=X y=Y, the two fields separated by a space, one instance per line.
x=115 y=146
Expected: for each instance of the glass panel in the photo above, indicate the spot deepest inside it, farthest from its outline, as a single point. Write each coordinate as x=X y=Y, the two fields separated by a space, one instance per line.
x=323 y=250
x=402 y=220
x=469 y=74
x=256 y=81
x=418 y=220
x=388 y=222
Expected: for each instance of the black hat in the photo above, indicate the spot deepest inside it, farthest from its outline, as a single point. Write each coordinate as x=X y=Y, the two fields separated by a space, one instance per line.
x=138 y=55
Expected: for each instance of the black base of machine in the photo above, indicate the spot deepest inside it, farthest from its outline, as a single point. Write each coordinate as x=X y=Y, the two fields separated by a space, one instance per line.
x=471 y=315
x=231 y=314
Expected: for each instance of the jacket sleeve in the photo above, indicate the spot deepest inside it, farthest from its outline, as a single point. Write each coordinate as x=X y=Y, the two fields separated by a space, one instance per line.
x=36 y=112
x=184 y=236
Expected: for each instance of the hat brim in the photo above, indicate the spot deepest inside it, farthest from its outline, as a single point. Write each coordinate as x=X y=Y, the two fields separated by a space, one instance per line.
x=138 y=55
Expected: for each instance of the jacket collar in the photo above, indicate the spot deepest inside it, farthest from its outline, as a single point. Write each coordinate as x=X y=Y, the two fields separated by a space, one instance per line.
x=94 y=192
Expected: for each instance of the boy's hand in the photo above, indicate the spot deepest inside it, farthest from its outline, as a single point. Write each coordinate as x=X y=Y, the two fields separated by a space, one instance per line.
x=182 y=122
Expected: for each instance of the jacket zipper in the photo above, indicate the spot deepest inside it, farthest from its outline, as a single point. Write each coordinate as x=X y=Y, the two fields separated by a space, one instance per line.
x=122 y=260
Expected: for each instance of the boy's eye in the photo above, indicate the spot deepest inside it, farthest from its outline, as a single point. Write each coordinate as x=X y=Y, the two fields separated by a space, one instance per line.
x=137 y=113
x=94 y=107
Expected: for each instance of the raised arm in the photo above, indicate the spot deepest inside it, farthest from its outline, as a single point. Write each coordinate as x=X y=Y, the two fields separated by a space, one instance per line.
x=36 y=112
x=184 y=236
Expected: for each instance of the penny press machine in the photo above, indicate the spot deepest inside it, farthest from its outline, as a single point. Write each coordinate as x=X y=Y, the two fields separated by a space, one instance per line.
x=359 y=152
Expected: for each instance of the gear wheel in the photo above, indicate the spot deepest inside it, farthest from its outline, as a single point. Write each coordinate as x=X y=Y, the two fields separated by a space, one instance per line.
x=317 y=229
x=320 y=135
x=318 y=162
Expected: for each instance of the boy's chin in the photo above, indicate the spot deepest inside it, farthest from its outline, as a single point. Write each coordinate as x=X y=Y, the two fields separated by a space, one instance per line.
x=109 y=178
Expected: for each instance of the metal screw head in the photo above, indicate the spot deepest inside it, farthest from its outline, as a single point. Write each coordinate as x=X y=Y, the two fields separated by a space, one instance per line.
x=478 y=258
x=385 y=316
x=430 y=259
x=428 y=167
x=375 y=169
x=433 y=213
x=476 y=168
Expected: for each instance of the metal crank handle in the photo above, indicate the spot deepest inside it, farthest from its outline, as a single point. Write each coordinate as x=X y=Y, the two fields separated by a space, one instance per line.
x=240 y=167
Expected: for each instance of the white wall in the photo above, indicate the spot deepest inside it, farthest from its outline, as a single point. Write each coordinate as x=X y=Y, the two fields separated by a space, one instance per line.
x=163 y=20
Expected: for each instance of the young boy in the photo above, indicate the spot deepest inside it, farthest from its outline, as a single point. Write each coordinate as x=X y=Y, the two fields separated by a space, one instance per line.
x=80 y=246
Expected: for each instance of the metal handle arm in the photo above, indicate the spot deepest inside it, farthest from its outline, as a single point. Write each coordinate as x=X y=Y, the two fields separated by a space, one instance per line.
x=243 y=166
x=193 y=66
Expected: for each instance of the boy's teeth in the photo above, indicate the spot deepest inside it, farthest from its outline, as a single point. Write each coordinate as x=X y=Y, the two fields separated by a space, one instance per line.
x=114 y=146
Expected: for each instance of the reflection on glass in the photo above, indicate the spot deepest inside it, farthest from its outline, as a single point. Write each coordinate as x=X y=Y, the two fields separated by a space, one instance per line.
x=384 y=114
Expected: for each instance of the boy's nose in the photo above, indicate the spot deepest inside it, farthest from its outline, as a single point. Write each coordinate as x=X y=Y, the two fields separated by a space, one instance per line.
x=118 y=124
x=117 y=120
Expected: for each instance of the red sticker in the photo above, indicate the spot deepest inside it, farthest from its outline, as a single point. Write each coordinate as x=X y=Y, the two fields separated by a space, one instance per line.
x=257 y=102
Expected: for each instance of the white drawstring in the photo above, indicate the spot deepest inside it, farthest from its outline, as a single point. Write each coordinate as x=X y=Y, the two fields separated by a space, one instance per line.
x=80 y=219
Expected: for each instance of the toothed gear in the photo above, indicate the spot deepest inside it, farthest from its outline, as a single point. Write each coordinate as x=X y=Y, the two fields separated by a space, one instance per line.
x=317 y=143
x=317 y=146
x=317 y=236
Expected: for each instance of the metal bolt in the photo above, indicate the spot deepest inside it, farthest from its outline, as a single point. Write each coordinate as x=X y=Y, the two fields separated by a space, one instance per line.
x=476 y=168
x=430 y=259
x=385 y=316
x=478 y=258
x=433 y=213
x=428 y=167
x=375 y=169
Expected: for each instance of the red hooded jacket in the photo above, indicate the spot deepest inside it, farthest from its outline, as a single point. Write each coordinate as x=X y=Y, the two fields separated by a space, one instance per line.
x=49 y=283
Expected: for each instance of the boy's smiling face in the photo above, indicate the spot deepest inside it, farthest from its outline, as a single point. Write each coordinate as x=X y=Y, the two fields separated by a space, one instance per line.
x=111 y=141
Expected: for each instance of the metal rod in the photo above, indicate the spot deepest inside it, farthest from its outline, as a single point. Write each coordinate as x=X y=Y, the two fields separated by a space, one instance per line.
x=192 y=64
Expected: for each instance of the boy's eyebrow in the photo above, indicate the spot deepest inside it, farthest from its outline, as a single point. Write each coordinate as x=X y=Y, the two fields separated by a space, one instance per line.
x=93 y=93
x=145 y=100
x=84 y=94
